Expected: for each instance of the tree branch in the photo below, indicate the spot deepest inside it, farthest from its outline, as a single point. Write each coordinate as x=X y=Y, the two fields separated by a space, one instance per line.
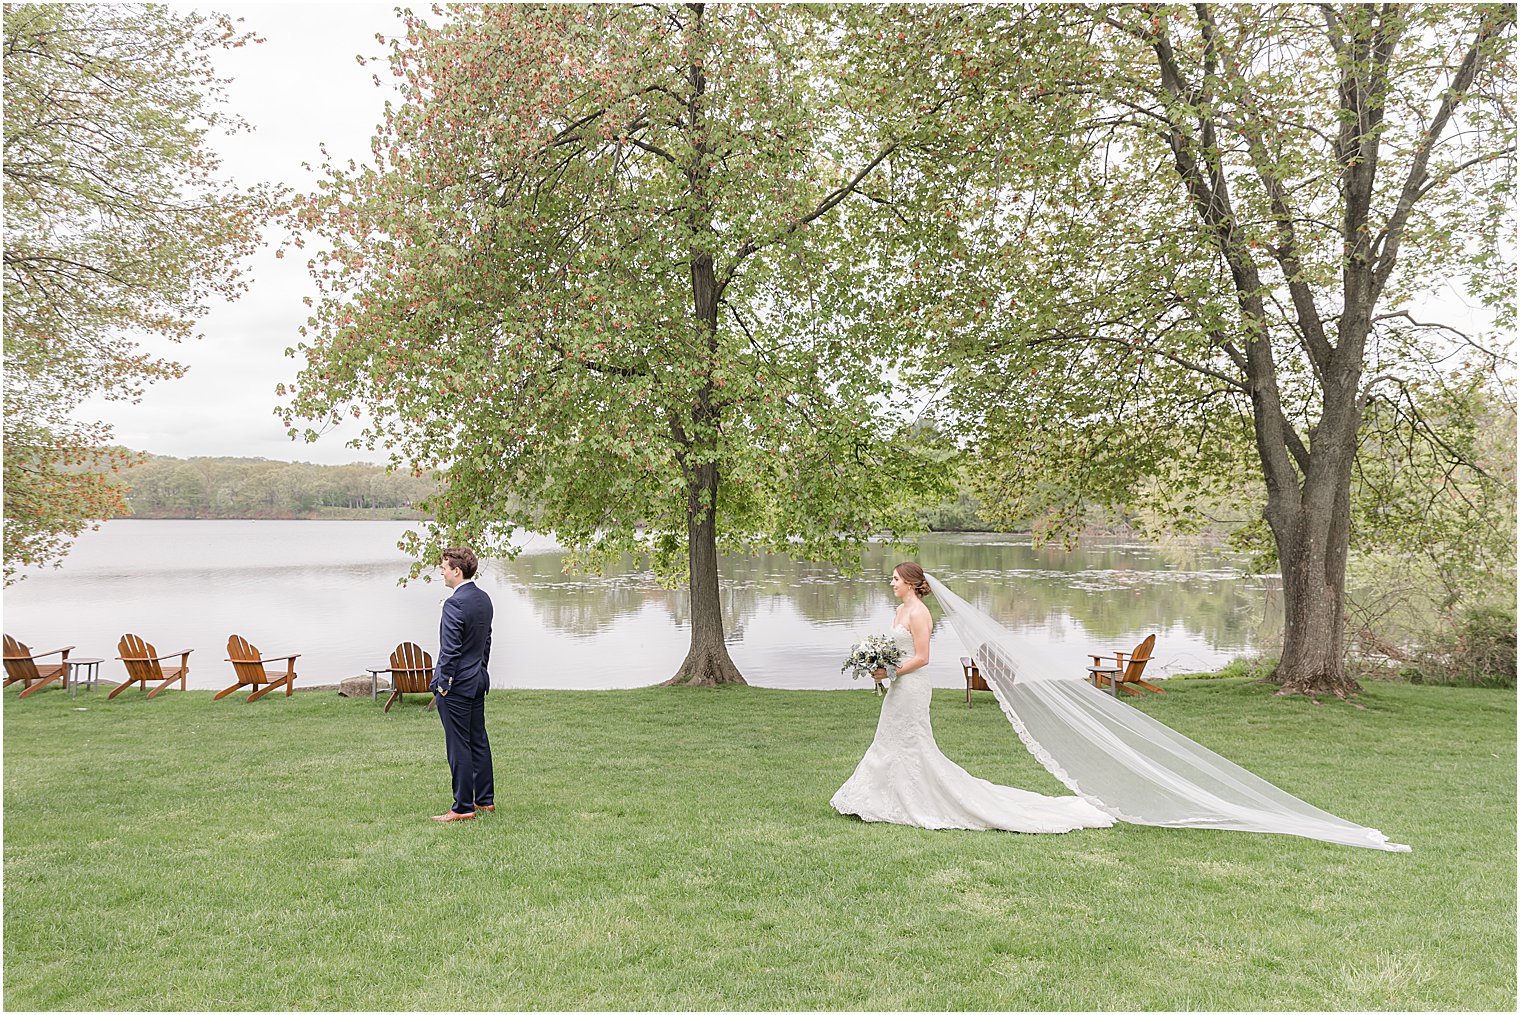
x=1182 y=361
x=1388 y=241
x=1278 y=445
x=1287 y=253
x=828 y=202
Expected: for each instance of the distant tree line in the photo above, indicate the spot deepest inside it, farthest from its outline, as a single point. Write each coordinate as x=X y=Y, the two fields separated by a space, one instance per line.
x=165 y=487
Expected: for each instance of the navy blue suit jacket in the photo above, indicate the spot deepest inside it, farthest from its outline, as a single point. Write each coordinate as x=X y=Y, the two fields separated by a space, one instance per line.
x=464 y=643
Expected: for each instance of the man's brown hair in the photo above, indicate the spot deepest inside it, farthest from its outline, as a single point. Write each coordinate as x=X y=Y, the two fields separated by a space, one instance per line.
x=463 y=558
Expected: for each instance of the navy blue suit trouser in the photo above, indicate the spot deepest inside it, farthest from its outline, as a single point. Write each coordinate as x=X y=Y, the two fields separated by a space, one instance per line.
x=464 y=737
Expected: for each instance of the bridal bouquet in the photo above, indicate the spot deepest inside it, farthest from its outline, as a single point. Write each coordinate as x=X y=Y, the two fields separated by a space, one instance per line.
x=877 y=652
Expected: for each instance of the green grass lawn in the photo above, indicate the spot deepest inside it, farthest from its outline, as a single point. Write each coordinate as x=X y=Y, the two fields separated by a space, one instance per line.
x=675 y=849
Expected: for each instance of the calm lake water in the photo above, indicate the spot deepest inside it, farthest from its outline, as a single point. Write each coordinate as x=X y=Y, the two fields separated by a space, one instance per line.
x=328 y=590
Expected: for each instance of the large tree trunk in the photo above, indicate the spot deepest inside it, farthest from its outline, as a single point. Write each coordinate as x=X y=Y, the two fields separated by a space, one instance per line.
x=1312 y=528
x=707 y=662
x=1314 y=595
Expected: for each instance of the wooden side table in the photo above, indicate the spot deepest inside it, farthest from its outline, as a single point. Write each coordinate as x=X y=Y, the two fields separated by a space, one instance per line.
x=90 y=674
x=374 y=680
x=1112 y=674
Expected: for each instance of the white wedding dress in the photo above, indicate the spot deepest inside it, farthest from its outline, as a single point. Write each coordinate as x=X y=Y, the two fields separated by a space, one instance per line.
x=905 y=779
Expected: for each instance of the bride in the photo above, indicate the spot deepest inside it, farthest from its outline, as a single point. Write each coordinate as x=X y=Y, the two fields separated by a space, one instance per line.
x=906 y=780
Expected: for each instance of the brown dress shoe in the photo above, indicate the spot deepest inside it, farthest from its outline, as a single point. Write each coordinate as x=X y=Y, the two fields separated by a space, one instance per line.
x=485 y=807
x=453 y=816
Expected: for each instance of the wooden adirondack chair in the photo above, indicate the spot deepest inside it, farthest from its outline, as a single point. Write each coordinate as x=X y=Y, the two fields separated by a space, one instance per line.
x=1126 y=671
x=142 y=661
x=21 y=664
x=974 y=679
x=411 y=669
x=250 y=671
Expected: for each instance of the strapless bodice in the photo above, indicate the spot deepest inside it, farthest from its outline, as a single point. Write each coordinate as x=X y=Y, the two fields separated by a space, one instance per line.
x=903 y=639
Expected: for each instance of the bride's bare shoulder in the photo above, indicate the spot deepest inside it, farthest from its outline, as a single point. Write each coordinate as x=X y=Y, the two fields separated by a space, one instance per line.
x=913 y=615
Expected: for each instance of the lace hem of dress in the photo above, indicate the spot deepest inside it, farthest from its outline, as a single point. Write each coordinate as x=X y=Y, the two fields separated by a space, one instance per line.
x=898 y=816
x=1051 y=764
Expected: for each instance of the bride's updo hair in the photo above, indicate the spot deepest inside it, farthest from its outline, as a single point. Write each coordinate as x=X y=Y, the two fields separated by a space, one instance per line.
x=914 y=576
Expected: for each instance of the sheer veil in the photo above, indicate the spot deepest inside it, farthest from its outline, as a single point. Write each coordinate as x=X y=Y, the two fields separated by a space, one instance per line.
x=1121 y=760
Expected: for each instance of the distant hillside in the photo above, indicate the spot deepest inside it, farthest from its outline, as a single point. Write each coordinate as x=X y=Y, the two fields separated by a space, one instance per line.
x=165 y=487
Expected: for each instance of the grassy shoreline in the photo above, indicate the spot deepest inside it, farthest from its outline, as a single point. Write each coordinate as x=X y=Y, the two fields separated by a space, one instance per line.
x=674 y=849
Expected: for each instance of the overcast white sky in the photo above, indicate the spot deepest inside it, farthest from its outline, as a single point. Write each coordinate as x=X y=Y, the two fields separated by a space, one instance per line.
x=299 y=89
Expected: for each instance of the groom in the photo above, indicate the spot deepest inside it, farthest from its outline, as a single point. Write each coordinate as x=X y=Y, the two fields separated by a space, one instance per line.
x=460 y=683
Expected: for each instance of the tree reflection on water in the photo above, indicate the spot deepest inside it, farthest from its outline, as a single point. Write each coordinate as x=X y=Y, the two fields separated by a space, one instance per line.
x=328 y=590
x=1109 y=588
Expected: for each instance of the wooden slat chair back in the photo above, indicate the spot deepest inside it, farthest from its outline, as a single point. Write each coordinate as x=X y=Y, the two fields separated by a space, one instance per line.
x=21 y=665
x=974 y=679
x=144 y=666
x=248 y=666
x=1126 y=668
x=411 y=672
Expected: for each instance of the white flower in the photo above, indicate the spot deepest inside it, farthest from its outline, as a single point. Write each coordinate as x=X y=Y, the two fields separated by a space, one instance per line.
x=875 y=652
